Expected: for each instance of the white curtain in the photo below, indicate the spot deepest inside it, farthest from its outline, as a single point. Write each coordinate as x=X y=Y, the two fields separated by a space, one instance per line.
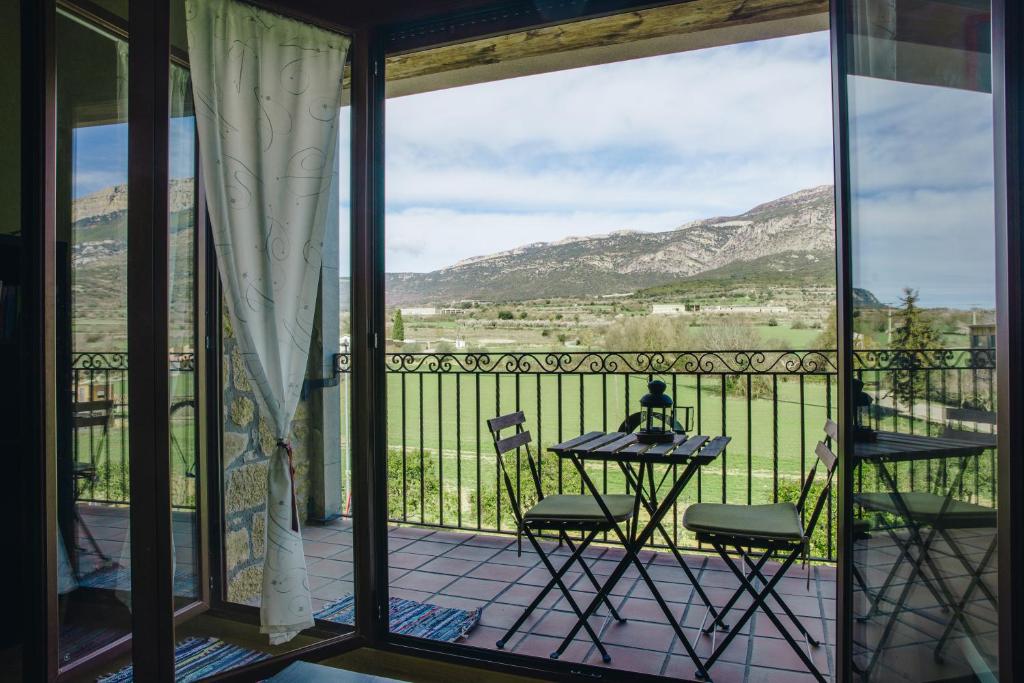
x=267 y=94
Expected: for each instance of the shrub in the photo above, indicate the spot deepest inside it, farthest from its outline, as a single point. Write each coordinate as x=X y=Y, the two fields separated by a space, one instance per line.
x=772 y=322
x=798 y=325
x=789 y=492
x=504 y=315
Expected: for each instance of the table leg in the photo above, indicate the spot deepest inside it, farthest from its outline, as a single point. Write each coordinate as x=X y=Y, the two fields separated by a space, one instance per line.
x=631 y=476
x=632 y=546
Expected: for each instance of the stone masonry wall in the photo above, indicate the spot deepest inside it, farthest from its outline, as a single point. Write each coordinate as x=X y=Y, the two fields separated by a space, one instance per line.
x=249 y=441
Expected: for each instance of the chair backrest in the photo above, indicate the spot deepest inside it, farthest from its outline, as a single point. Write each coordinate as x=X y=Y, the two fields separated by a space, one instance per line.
x=832 y=429
x=826 y=457
x=988 y=417
x=520 y=439
x=92 y=413
x=977 y=417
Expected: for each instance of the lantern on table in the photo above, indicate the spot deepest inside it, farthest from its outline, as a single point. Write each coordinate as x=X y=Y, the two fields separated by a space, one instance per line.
x=862 y=430
x=656 y=415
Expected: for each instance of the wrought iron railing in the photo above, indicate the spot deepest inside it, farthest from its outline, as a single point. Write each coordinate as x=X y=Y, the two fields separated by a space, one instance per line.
x=772 y=403
x=441 y=464
x=100 y=420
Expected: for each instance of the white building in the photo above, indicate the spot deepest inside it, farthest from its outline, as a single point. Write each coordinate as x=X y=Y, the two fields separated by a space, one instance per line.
x=418 y=311
x=693 y=309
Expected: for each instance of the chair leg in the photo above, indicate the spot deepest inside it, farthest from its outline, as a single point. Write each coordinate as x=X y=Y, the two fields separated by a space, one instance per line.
x=555 y=580
x=88 y=534
x=756 y=571
x=904 y=554
x=732 y=600
x=915 y=569
x=760 y=601
x=976 y=581
x=605 y=657
x=701 y=593
x=590 y=575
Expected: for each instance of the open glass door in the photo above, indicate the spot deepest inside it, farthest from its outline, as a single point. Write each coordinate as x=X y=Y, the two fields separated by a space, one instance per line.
x=93 y=506
x=920 y=340
x=94 y=501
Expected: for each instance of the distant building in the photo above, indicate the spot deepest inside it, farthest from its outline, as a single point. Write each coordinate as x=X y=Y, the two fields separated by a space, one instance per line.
x=755 y=310
x=983 y=335
x=675 y=309
x=419 y=311
x=451 y=311
x=693 y=309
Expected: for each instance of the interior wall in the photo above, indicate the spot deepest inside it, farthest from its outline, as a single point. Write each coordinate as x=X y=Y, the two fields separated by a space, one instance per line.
x=11 y=406
x=10 y=118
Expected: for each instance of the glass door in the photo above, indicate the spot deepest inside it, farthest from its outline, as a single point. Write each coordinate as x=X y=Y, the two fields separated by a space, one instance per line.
x=93 y=505
x=920 y=340
x=94 y=501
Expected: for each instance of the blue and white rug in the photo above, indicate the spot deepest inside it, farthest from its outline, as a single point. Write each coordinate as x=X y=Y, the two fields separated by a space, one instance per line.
x=411 y=618
x=196 y=658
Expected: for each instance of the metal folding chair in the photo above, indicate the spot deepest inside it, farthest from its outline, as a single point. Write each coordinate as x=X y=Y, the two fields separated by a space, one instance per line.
x=89 y=415
x=779 y=532
x=563 y=514
x=926 y=516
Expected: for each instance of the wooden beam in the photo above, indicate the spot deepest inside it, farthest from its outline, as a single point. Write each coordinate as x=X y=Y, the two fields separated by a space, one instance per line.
x=660 y=30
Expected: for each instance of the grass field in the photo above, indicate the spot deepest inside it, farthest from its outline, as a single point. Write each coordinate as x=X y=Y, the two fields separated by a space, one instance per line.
x=773 y=436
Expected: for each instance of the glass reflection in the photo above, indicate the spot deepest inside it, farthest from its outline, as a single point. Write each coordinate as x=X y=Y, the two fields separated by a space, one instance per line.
x=181 y=340
x=922 y=207
x=92 y=469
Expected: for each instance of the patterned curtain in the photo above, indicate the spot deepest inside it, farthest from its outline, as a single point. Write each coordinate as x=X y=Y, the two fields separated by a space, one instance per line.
x=267 y=94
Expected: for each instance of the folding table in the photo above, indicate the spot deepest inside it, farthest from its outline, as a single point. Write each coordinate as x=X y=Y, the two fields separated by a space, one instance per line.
x=890 y=448
x=638 y=462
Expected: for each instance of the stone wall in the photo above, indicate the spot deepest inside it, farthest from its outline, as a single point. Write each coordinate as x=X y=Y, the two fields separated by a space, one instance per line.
x=248 y=442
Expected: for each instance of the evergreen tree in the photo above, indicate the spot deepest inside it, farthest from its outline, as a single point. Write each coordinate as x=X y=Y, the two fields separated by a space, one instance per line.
x=912 y=331
x=911 y=334
x=398 y=327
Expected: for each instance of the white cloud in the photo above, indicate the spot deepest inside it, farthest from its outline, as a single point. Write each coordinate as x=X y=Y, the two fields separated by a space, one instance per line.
x=922 y=184
x=643 y=144
x=419 y=238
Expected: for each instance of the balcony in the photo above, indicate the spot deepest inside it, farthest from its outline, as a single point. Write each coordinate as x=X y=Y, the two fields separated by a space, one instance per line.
x=451 y=538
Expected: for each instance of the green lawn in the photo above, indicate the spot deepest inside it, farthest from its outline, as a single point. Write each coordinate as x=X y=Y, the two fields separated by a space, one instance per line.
x=768 y=443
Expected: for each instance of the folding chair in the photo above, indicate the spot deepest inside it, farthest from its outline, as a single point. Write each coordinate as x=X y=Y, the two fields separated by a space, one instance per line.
x=925 y=516
x=777 y=530
x=88 y=415
x=558 y=513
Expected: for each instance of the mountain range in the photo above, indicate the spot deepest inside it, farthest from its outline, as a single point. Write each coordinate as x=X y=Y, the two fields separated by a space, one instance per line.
x=790 y=240
x=791 y=236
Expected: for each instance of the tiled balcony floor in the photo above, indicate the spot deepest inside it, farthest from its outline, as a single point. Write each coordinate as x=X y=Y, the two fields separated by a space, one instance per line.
x=468 y=571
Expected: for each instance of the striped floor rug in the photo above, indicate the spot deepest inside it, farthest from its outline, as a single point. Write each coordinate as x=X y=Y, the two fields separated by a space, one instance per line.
x=196 y=658
x=411 y=618
x=114 y=577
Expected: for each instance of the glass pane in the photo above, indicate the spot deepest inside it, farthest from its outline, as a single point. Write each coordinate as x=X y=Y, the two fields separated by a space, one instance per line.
x=92 y=505
x=558 y=234
x=184 y=446
x=922 y=208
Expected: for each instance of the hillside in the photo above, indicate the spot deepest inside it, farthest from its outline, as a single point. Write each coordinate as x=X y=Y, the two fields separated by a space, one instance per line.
x=783 y=236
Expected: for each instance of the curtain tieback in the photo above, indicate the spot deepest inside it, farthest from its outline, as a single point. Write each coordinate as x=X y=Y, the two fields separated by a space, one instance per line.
x=287 y=446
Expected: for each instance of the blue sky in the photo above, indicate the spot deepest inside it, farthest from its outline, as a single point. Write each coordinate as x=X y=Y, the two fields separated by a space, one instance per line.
x=645 y=144
x=101 y=154
x=649 y=144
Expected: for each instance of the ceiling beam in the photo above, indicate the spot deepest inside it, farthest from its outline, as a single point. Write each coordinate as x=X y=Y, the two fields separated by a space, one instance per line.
x=642 y=33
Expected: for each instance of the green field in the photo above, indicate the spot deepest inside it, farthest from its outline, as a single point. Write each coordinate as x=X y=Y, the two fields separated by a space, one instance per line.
x=446 y=414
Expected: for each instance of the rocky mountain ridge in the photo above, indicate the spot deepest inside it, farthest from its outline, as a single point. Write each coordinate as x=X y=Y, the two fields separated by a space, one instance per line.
x=627 y=260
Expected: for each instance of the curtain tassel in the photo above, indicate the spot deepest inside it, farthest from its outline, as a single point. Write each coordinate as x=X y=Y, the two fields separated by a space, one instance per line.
x=287 y=446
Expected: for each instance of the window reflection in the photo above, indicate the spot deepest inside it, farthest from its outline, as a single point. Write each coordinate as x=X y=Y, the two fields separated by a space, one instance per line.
x=922 y=207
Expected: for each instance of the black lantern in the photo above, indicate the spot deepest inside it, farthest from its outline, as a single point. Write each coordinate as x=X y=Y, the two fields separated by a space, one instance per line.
x=862 y=430
x=655 y=415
